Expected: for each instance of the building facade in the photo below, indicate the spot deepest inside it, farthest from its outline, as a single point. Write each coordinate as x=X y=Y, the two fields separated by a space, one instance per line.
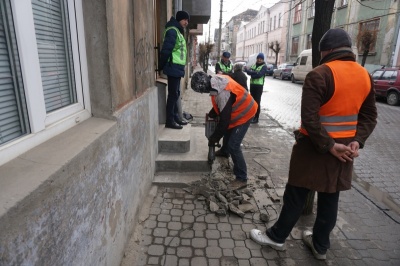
x=79 y=118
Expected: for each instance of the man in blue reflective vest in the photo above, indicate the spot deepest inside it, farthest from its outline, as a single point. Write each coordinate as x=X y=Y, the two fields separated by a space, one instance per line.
x=172 y=62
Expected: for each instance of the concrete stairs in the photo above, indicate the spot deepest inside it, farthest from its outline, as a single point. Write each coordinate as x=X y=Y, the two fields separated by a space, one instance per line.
x=182 y=156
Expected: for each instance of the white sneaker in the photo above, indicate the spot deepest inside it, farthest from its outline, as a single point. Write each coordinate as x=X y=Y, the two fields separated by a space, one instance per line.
x=307 y=239
x=262 y=239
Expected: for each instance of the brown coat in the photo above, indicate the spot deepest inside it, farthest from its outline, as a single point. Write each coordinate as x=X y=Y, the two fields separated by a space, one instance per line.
x=312 y=166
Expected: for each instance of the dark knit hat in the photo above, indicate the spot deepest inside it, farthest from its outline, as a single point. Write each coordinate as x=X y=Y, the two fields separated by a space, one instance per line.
x=201 y=82
x=260 y=55
x=226 y=54
x=182 y=15
x=334 y=38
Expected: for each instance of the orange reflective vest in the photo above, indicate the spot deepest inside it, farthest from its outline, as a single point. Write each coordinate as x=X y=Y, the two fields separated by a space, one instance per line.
x=243 y=109
x=340 y=114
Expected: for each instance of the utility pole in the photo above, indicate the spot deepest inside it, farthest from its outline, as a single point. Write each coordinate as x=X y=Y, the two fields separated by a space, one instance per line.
x=220 y=31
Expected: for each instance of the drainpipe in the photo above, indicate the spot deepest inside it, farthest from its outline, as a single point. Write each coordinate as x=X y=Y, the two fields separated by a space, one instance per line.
x=288 y=33
x=396 y=46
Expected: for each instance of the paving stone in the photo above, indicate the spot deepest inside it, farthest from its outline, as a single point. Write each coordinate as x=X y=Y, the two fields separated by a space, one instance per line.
x=226 y=243
x=188 y=233
x=176 y=212
x=229 y=261
x=173 y=233
x=199 y=261
x=227 y=252
x=213 y=234
x=213 y=252
x=199 y=242
x=224 y=227
x=187 y=219
x=155 y=250
x=184 y=252
x=174 y=225
x=199 y=226
x=172 y=241
x=176 y=219
x=238 y=235
x=160 y=232
x=185 y=242
x=212 y=226
x=212 y=243
x=155 y=211
x=158 y=240
x=244 y=263
x=171 y=251
x=225 y=234
x=256 y=253
x=154 y=261
x=211 y=219
x=163 y=211
x=199 y=252
x=161 y=224
x=242 y=253
x=177 y=201
x=239 y=243
x=170 y=260
x=213 y=262
x=164 y=218
x=198 y=233
x=269 y=253
x=184 y=262
x=259 y=262
x=188 y=206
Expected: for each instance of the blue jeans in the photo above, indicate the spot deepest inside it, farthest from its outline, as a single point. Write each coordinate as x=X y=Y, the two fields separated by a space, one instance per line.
x=293 y=204
x=231 y=144
x=174 y=84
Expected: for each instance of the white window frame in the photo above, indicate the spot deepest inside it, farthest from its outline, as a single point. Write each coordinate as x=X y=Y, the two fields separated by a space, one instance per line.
x=45 y=126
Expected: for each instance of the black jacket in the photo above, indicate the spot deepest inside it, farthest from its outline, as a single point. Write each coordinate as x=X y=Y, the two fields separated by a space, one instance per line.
x=169 y=68
x=240 y=78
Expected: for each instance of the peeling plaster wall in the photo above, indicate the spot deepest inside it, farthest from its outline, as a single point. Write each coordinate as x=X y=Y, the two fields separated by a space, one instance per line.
x=84 y=213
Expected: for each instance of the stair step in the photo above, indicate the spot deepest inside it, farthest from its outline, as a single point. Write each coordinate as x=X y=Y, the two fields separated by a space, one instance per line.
x=194 y=160
x=177 y=179
x=174 y=140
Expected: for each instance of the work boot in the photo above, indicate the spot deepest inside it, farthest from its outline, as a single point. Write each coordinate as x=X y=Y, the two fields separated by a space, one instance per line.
x=181 y=122
x=238 y=184
x=308 y=241
x=173 y=125
x=261 y=238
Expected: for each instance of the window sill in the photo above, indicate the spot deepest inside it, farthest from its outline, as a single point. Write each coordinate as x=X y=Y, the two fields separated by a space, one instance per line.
x=32 y=173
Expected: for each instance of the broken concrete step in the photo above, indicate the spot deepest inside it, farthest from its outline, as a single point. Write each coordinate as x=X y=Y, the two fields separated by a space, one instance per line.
x=174 y=140
x=195 y=160
x=177 y=179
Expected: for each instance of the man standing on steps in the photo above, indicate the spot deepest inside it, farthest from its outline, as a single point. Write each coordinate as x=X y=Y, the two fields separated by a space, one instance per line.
x=235 y=108
x=257 y=73
x=172 y=62
x=338 y=114
x=224 y=66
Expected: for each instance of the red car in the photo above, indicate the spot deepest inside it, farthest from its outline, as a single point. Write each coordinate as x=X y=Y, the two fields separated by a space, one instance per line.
x=387 y=84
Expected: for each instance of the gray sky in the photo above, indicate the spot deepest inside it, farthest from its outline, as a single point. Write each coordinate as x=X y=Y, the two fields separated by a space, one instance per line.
x=230 y=8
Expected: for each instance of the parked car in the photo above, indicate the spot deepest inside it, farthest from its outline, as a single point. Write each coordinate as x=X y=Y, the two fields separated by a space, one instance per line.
x=283 y=71
x=270 y=69
x=387 y=84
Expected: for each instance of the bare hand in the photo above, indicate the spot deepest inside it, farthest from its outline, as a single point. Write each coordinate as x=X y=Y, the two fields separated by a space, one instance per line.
x=342 y=152
x=354 y=146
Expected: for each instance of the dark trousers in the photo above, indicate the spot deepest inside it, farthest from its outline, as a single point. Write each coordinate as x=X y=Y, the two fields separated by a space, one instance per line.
x=174 y=92
x=231 y=144
x=293 y=204
x=256 y=92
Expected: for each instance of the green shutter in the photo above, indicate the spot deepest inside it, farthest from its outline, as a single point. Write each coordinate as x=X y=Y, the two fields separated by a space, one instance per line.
x=53 y=37
x=13 y=113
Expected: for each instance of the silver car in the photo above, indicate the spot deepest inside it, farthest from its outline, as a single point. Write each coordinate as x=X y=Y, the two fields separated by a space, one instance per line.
x=283 y=71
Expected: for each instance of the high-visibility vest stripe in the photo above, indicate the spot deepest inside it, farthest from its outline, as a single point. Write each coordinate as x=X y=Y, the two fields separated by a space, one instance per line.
x=338 y=119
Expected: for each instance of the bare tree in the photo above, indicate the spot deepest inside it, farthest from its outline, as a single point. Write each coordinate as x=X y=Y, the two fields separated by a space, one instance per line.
x=276 y=47
x=204 y=55
x=366 y=38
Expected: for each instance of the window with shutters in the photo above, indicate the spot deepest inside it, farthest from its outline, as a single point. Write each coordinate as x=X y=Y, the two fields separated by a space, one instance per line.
x=43 y=81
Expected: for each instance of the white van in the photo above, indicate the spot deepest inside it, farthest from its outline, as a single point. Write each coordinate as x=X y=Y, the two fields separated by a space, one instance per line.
x=302 y=66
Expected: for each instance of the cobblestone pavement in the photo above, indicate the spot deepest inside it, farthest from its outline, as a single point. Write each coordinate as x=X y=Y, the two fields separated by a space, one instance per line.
x=378 y=162
x=178 y=229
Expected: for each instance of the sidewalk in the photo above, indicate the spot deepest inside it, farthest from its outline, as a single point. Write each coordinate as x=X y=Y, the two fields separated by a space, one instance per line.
x=178 y=228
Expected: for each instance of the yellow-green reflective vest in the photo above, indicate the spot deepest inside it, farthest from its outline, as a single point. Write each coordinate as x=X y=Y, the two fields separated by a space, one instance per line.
x=225 y=68
x=179 y=51
x=259 y=81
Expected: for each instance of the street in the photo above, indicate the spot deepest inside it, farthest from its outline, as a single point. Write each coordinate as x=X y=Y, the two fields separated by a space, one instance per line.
x=377 y=168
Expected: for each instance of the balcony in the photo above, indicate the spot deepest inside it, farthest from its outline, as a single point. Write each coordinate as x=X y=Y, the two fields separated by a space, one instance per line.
x=199 y=10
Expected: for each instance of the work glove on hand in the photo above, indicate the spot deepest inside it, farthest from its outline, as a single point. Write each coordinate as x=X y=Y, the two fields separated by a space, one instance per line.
x=212 y=142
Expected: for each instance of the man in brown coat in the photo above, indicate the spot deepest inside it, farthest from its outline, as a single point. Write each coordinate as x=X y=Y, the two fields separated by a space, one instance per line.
x=338 y=114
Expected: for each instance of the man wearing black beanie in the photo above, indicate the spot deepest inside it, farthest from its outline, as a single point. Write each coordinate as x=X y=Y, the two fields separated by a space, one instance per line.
x=172 y=62
x=338 y=114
